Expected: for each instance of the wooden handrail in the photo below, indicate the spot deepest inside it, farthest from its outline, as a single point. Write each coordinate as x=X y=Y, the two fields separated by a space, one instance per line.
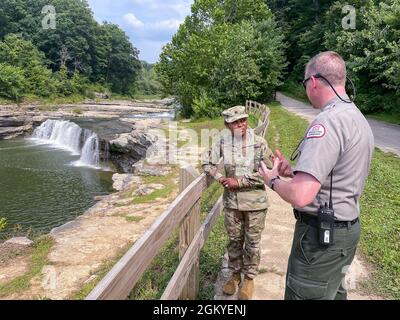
x=181 y=274
x=118 y=283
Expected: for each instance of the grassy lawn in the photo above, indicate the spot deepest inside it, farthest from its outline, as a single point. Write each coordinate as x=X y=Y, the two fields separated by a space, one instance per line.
x=380 y=203
x=380 y=239
x=168 y=181
x=285 y=130
x=4 y=101
x=156 y=278
x=212 y=253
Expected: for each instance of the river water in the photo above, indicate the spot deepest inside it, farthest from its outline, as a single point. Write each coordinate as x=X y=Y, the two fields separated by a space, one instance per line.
x=41 y=187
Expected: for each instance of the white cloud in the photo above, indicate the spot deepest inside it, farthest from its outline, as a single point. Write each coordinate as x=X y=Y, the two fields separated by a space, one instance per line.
x=172 y=24
x=134 y=22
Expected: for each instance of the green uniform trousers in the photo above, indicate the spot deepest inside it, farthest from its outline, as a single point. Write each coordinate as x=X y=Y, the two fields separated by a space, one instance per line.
x=316 y=271
x=244 y=230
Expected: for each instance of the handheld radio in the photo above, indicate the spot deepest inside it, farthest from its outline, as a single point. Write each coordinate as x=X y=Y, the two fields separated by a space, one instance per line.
x=326 y=220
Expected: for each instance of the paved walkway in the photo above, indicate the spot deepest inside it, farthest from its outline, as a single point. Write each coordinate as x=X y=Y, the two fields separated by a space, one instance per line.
x=387 y=136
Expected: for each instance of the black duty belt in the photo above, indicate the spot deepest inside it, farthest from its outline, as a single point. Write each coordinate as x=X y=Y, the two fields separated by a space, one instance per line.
x=312 y=220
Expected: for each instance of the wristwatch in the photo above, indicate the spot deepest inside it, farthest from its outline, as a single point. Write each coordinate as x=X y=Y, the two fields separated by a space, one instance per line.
x=272 y=182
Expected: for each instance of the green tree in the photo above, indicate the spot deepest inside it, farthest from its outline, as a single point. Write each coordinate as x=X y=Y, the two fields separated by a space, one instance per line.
x=122 y=63
x=17 y=52
x=216 y=59
x=2 y=223
x=100 y=52
x=148 y=82
x=12 y=82
x=373 y=53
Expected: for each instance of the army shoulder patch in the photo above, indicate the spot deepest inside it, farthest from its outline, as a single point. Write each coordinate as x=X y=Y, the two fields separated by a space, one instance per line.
x=316 y=131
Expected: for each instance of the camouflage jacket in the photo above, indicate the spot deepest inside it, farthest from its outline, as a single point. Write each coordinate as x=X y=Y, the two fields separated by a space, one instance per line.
x=241 y=161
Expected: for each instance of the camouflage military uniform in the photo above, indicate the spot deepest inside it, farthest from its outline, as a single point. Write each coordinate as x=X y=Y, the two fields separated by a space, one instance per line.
x=246 y=208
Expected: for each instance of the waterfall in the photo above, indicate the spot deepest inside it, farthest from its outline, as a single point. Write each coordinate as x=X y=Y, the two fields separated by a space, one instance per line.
x=69 y=136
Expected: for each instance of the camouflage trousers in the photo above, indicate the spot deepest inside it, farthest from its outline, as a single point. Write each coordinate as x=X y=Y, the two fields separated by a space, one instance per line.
x=244 y=230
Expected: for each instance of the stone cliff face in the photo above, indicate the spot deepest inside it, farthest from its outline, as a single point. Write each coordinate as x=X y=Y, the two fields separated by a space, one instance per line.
x=112 y=123
x=12 y=126
x=129 y=148
x=123 y=149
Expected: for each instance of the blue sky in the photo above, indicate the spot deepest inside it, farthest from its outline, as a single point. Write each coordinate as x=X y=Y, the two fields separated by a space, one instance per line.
x=150 y=24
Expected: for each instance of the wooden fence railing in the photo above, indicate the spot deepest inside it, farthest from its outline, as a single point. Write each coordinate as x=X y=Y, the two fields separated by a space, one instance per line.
x=183 y=212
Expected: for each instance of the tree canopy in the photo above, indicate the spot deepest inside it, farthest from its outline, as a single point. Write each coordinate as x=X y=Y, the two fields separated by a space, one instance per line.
x=78 y=50
x=224 y=52
x=371 y=49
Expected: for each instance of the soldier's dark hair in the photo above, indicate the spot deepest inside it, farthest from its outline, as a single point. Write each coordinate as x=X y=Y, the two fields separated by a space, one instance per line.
x=330 y=65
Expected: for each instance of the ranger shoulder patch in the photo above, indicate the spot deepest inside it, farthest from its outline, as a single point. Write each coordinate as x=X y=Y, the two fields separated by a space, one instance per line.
x=316 y=131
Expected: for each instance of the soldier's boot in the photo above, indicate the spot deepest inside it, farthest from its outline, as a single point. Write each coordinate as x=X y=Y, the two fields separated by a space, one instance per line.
x=231 y=285
x=247 y=289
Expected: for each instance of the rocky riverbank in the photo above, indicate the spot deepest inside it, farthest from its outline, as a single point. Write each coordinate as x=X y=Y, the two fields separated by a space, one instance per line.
x=18 y=121
x=84 y=249
x=121 y=125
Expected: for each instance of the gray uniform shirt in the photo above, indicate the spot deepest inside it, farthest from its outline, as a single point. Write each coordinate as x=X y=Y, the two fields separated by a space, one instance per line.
x=341 y=139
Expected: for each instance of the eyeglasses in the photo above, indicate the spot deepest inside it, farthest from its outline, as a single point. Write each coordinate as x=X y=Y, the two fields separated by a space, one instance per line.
x=305 y=82
x=315 y=76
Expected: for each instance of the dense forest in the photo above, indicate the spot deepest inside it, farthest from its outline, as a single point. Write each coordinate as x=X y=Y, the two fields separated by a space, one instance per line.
x=371 y=49
x=224 y=52
x=69 y=57
x=232 y=50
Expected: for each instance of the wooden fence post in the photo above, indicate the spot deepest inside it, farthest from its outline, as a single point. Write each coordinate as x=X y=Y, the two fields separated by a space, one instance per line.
x=188 y=230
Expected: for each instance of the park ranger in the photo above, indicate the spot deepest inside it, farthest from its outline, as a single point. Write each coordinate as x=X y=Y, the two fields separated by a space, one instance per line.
x=333 y=161
x=245 y=200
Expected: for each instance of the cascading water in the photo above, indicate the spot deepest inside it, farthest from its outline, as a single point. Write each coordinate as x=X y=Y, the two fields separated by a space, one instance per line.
x=68 y=135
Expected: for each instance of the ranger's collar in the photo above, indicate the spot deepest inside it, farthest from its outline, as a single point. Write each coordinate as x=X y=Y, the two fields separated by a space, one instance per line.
x=331 y=103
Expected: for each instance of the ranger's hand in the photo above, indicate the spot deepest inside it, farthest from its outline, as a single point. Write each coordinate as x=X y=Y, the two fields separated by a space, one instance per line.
x=229 y=183
x=268 y=174
x=285 y=169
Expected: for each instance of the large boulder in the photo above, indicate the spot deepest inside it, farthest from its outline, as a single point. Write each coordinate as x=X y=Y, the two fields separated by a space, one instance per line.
x=128 y=148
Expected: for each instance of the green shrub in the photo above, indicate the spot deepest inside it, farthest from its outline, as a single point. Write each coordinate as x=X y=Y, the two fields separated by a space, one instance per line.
x=295 y=90
x=204 y=106
x=40 y=81
x=12 y=82
x=2 y=223
x=373 y=102
x=67 y=85
x=93 y=88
